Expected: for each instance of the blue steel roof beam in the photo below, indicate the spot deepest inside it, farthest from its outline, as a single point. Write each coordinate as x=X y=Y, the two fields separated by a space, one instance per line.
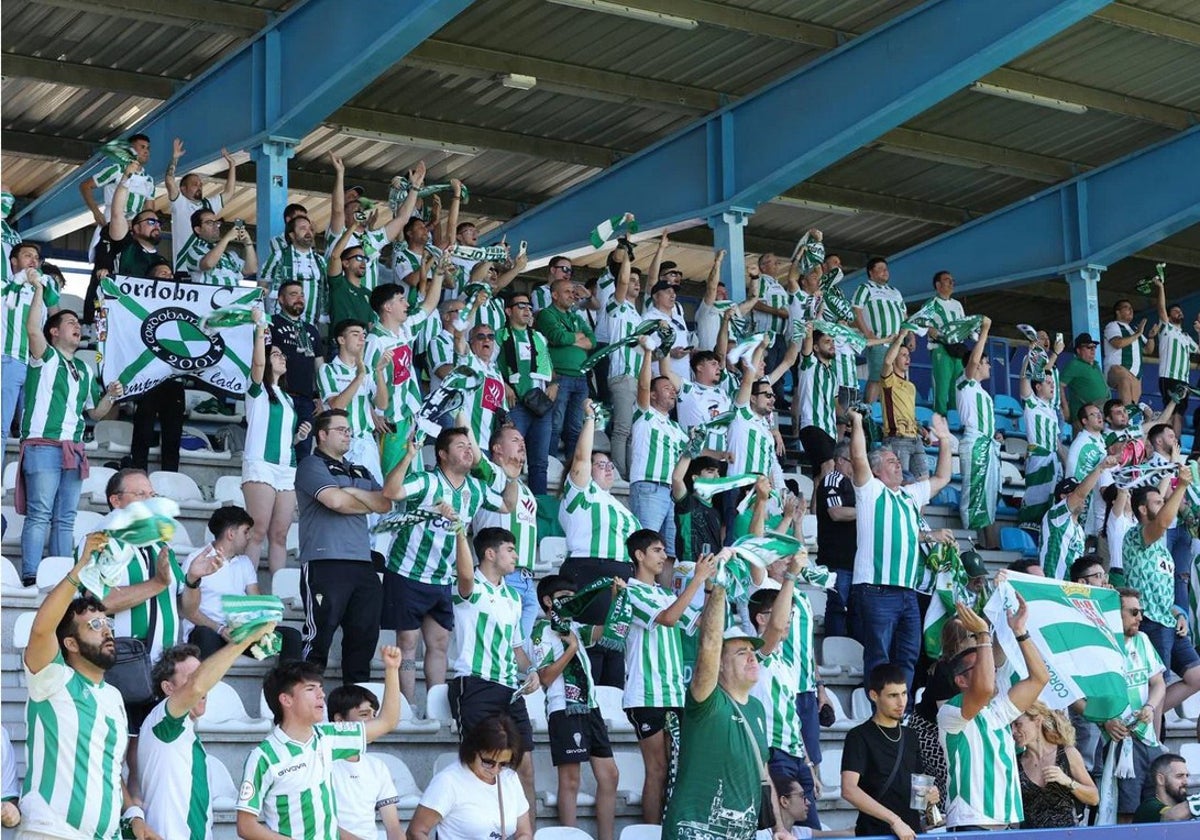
x=243 y=100
x=1096 y=219
x=803 y=122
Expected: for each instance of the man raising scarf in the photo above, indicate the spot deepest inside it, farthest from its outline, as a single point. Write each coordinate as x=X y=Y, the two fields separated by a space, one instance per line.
x=979 y=453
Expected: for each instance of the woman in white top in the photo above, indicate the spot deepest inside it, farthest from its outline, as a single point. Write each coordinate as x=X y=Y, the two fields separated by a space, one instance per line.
x=269 y=459
x=478 y=796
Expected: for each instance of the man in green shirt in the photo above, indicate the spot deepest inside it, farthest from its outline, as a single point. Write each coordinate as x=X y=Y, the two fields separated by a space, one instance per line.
x=349 y=296
x=1170 y=802
x=1082 y=381
x=526 y=363
x=571 y=340
x=723 y=739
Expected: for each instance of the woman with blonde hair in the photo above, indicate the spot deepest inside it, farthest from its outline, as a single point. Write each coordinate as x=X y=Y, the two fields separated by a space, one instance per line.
x=1054 y=780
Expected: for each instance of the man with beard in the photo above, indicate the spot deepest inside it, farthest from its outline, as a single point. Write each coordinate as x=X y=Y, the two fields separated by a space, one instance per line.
x=187 y=196
x=301 y=345
x=206 y=255
x=134 y=240
x=77 y=729
x=1170 y=802
x=297 y=262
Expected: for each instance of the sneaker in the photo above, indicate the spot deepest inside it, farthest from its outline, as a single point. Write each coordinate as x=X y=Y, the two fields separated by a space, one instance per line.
x=28 y=580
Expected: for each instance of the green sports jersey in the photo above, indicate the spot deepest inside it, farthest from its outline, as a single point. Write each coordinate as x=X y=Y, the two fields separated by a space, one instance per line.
x=404 y=387
x=774 y=295
x=1129 y=356
x=623 y=319
x=270 y=425
x=76 y=737
x=307 y=267
x=522 y=522
x=174 y=766
x=653 y=651
x=1041 y=425
x=57 y=392
x=227 y=271
x=139 y=189
x=1062 y=540
x=888 y=526
x=594 y=522
x=776 y=690
x=1142 y=662
x=1150 y=570
x=425 y=552
x=523 y=359
x=1175 y=349
x=818 y=390
x=983 y=785
x=752 y=444
x=334 y=377
x=290 y=784
x=799 y=646
x=483 y=403
x=975 y=409
x=882 y=306
x=17 y=298
x=155 y=621
x=487 y=632
x=656 y=443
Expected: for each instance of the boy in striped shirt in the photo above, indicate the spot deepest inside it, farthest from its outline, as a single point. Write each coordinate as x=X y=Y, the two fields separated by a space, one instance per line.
x=879 y=310
x=983 y=788
x=816 y=395
x=1175 y=351
x=346 y=383
x=76 y=725
x=654 y=689
x=288 y=778
x=492 y=671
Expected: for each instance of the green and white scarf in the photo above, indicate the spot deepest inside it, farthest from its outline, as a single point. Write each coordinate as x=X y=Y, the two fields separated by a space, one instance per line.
x=1145 y=286
x=855 y=340
x=400 y=188
x=135 y=526
x=809 y=254
x=245 y=614
x=706 y=488
x=613 y=226
x=617 y=622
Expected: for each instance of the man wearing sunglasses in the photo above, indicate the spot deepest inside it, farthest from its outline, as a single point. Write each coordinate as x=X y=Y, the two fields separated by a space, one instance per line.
x=74 y=773
x=135 y=238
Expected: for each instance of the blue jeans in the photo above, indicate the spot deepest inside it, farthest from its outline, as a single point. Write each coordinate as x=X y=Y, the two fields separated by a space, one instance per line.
x=887 y=621
x=51 y=500
x=651 y=505
x=568 y=415
x=12 y=376
x=527 y=589
x=536 y=431
x=789 y=766
x=837 y=605
x=1179 y=543
x=810 y=724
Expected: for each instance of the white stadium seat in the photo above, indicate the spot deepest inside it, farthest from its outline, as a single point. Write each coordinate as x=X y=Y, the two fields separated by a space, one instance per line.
x=225 y=712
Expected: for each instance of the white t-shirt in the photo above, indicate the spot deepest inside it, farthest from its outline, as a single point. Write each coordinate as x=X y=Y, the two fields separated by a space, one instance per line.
x=470 y=808
x=182 y=209
x=708 y=325
x=230 y=579
x=360 y=788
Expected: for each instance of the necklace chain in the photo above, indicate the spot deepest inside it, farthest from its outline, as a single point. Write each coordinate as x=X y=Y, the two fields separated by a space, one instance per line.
x=883 y=732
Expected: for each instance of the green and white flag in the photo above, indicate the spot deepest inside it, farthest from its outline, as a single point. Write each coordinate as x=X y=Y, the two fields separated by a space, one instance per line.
x=246 y=613
x=155 y=330
x=745 y=348
x=706 y=488
x=809 y=253
x=129 y=528
x=617 y=225
x=855 y=340
x=765 y=550
x=1077 y=629
x=949 y=588
x=956 y=332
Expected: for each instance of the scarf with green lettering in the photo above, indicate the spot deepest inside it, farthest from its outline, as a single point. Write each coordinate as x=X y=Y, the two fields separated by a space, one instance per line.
x=400 y=188
x=809 y=254
x=835 y=301
x=622 y=225
x=643 y=329
x=616 y=624
x=244 y=614
x=855 y=340
x=706 y=488
x=139 y=524
x=956 y=332
x=574 y=676
x=1145 y=286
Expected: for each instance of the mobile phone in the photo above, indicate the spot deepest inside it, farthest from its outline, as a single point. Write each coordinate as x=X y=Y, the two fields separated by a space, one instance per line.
x=705 y=550
x=239 y=224
x=1058 y=337
x=524 y=247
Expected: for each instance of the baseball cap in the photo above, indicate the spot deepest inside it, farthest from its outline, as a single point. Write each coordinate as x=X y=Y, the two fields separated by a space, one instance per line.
x=1084 y=340
x=356 y=189
x=661 y=286
x=735 y=632
x=1065 y=487
x=972 y=564
x=667 y=265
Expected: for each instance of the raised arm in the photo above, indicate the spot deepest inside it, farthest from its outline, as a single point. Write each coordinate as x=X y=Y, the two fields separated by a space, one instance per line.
x=746 y=386
x=43 y=643
x=1156 y=528
x=209 y=261
x=337 y=197
x=678 y=486
x=858 y=450
x=892 y=353
x=655 y=262
x=781 y=609
x=447 y=238
x=714 y=278
x=708 y=654
x=258 y=361
x=981 y=686
x=507 y=277
x=169 y=176
x=706 y=567
x=393 y=482
x=581 y=460
x=980 y=346
x=644 y=380
x=118 y=225
x=464 y=565
x=624 y=272
x=230 y=178
x=1025 y=693
x=1079 y=495
x=210 y=673
x=33 y=321
x=416 y=179
x=389 y=708
x=945 y=461
x=334 y=267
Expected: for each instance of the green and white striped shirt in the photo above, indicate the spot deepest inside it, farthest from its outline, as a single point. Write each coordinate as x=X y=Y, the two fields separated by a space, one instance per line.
x=334 y=377
x=818 y=395
x=888 y=528
x=774 y=295
x=140 y=188
x=483 y=402
x=595 y=523
x=700 y=404
x=157 y=628
x=290 y=784
x=752 y=444
x=227 y=271
x=1150 y=570
x=270 y=426
x=406 y=261
x=18 y=296
x=1142 y=662
x=1062 y=540
x=946 y=310
x=975 y=409
x=983 y=783
x=57 y=392
x=174 y=769
x=883 y=307
x=522 y=522
x=545 y=647
x=372 y=242
x=308 y=267
x=776 y=690
x=656 y=443
x=1041 y=425
x=487 y=632
x=75 y=744
x=1175 y=349
x=797 y=646
x=653 y=651
x=1129 y=356
x=623 y=319
x=404 y=391
x=523 y=358
x=425 y=552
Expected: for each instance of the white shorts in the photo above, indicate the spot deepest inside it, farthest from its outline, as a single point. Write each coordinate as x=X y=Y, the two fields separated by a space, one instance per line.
x=281 y=478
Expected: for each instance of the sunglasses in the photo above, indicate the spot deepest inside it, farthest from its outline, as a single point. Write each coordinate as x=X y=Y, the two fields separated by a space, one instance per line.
x=485 y=337
x=100 y=622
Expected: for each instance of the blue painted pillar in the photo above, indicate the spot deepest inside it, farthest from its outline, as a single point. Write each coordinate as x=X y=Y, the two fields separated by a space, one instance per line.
x=728 y=229
x=272 y=160
x=1085 y=302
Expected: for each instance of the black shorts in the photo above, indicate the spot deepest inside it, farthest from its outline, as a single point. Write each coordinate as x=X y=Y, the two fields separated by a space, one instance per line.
x=576 y=738
x=473 y=699
x=406 y=602
x=818 y=446
x=1164 y=387
x=648 y=721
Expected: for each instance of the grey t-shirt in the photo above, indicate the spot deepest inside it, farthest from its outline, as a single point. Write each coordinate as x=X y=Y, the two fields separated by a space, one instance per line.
x=326 y=534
